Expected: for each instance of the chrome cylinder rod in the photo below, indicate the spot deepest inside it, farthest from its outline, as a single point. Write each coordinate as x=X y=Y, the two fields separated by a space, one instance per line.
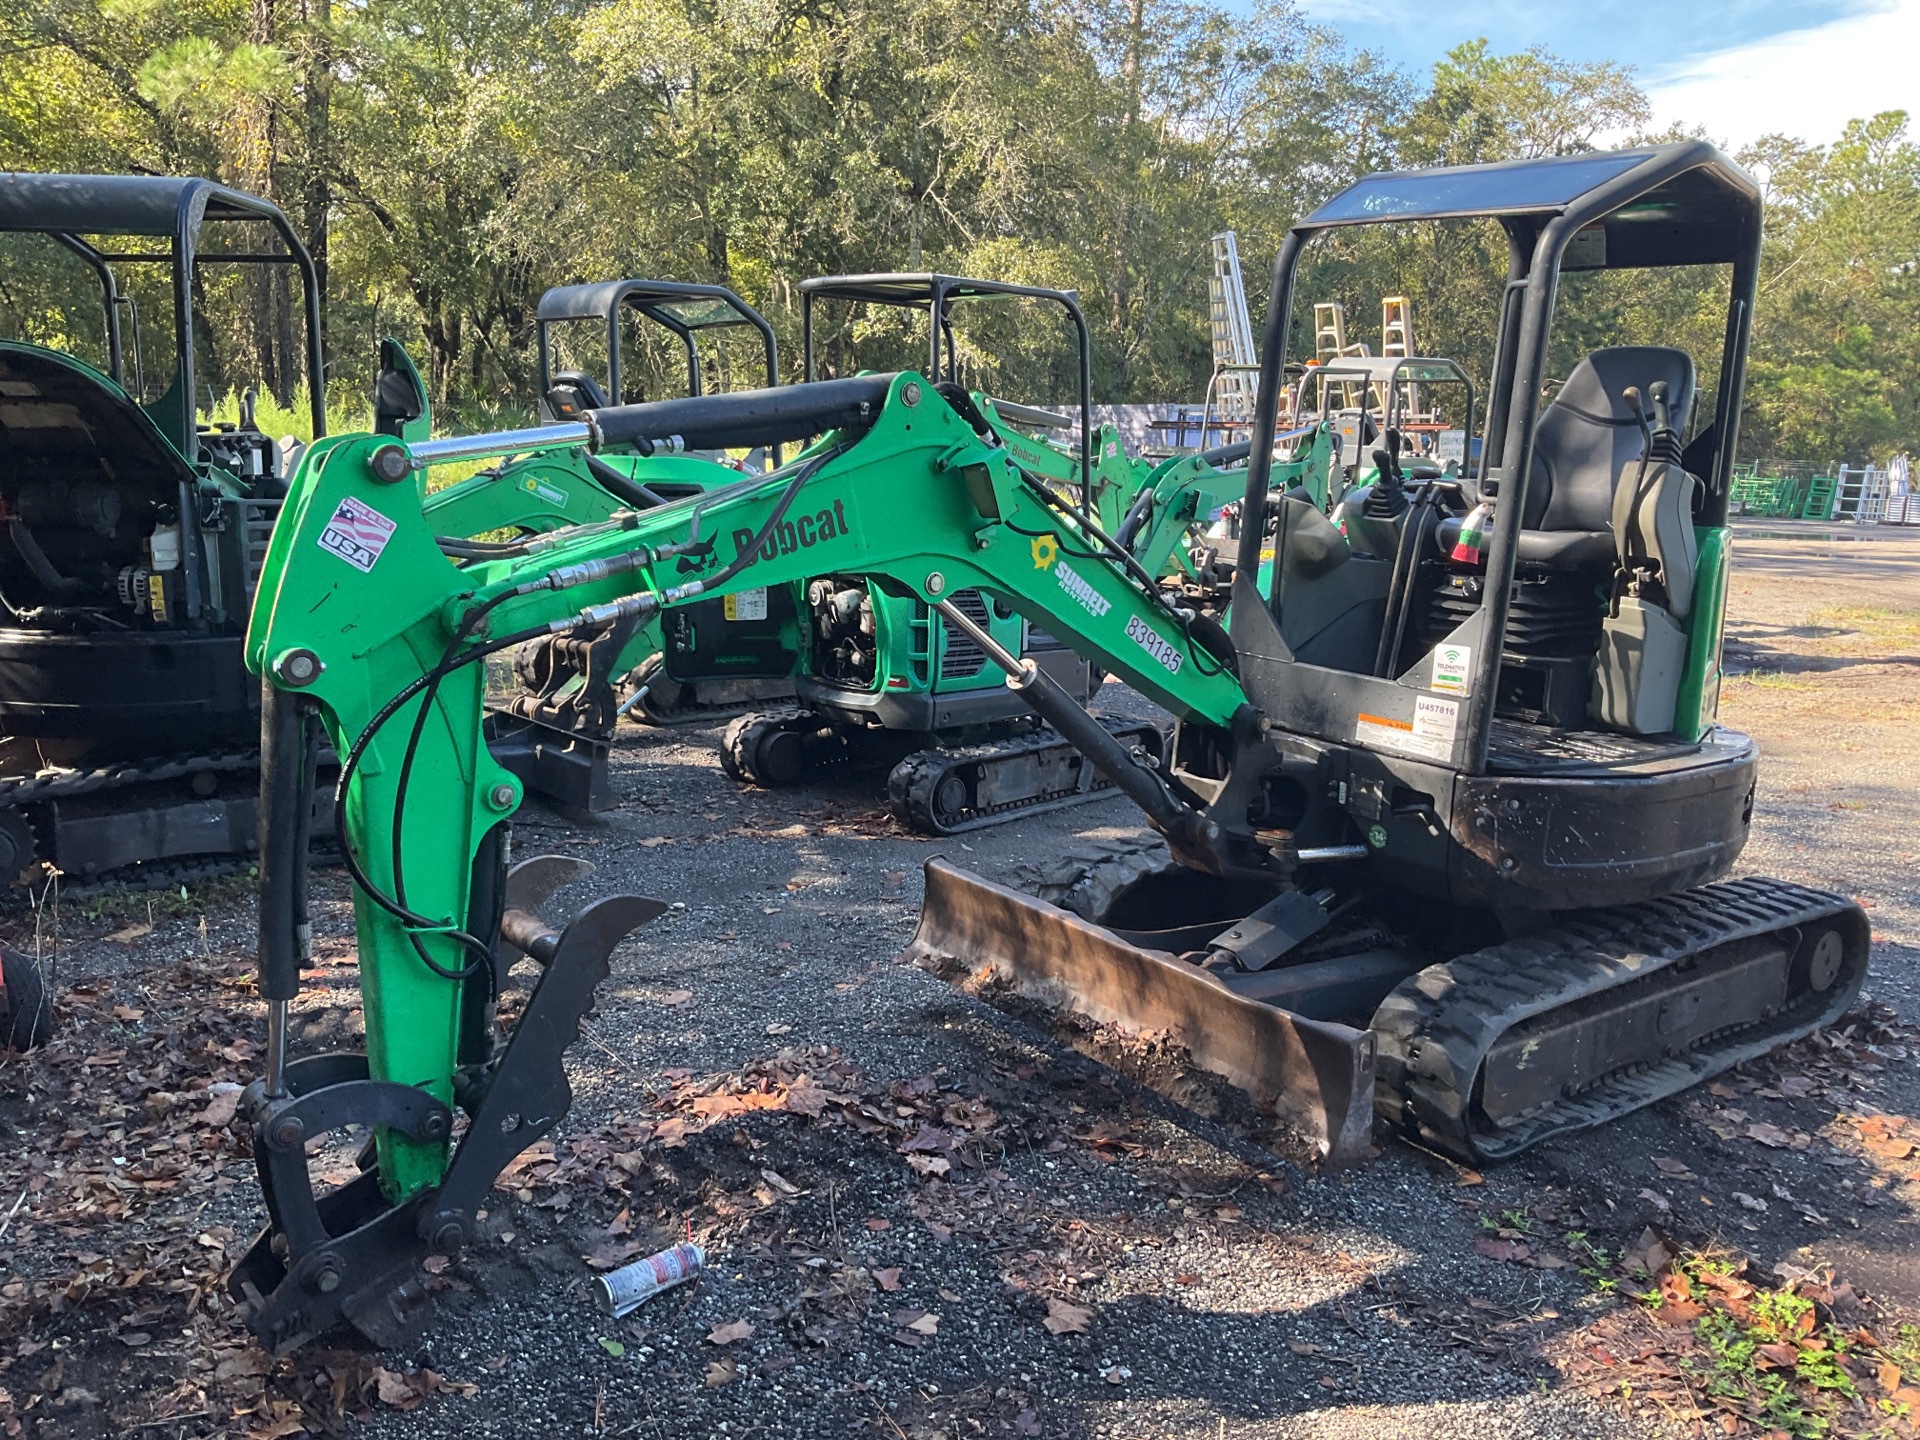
x=501 y=442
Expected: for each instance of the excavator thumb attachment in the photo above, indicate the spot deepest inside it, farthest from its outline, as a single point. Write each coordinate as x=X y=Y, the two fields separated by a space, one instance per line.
x=1314 y=1074
x=349 y=1255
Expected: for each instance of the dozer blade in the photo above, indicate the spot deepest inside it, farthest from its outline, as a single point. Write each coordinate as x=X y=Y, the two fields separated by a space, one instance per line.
x=1314 y=1074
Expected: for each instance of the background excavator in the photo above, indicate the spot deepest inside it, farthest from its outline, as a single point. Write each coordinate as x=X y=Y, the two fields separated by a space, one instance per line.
x=135 y=530
x=859 y=679
x=1446 y=822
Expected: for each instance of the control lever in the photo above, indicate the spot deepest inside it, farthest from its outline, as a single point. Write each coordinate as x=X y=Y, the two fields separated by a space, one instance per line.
x=1634 y=403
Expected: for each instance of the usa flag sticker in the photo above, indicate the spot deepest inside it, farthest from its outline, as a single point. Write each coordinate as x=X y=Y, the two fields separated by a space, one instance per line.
x=357 y=533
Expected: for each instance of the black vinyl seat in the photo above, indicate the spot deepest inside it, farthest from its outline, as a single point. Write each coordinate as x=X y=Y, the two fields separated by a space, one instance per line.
x=1586 y=442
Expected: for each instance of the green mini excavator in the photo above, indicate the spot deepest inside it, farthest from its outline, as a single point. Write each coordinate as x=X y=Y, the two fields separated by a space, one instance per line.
x=1444 y=835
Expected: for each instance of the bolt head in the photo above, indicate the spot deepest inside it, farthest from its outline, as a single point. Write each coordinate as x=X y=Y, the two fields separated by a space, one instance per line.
x=501 y=795
x=450 y=1237
x=910 y=394
x=391 y=464
x=298 y=668
x=326 y=1279
x=936 y=583
x=433 y=1125
x=288 y=1131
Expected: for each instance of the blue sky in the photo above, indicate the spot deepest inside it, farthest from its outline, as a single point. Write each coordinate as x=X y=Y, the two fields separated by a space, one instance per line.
x=1741 y=68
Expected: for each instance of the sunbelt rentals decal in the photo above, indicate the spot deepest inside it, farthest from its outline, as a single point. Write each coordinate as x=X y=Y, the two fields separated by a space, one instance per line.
x=1046 y=556
x=1076 y=586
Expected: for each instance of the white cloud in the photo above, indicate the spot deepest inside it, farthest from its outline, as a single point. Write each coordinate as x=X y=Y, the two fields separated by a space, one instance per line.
x=1805 y=83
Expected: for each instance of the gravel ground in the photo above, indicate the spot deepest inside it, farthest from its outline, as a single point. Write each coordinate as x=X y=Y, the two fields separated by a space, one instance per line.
x=1204 y=1281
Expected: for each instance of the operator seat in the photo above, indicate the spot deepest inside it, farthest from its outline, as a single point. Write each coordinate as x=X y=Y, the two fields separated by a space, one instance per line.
x=1586 y=444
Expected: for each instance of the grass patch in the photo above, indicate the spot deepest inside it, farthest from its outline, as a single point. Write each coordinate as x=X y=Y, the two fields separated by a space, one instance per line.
x=1710 y=1345
x=180 y=902
x=1877 y=622
x=1774 y=680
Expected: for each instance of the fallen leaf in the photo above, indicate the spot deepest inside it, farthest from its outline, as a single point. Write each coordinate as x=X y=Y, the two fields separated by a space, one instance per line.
x=130 y=934
x=1648 y=1255
x=930 y=1139
x=728 y=1333
x=220 y=1110
x=927 y=1324
x=878 y=1223
x=778 y=1029
x=676 y=997
x=1750 y=1202
x=1027 y=1423
x=613 y=1347
x=1796 y=1086
x=1118 y=1375
x=1469 y=1177
x=1501 y=1249
x=1065 y=1319
x=396 y=1389
x=1772 y=1136
x=948 y=1295
x=128 y=1013
x=1303 y=1347
x=721 y=1372
x=888 y=1279
x=1667 y=1165
x=1656 y=1200
x=779 y=1182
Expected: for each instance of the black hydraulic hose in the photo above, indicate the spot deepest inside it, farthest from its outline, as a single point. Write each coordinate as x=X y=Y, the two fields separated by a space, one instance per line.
x=43 y=569
x=1136 y=517
x=623 y=487
x=460 y=549
x=452 y=659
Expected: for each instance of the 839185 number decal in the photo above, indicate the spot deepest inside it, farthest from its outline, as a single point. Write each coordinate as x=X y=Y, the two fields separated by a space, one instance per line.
x=1149 y=640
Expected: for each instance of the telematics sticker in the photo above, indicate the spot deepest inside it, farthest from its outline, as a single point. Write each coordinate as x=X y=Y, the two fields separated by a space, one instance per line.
x=1143 y=635
x=1451 y=664
x=357 y=534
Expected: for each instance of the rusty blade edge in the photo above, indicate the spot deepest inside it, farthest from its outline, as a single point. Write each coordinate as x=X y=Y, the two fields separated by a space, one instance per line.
x=1314 y=1074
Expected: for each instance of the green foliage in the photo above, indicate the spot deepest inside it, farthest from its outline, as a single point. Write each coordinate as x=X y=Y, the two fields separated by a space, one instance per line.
x=448 y=160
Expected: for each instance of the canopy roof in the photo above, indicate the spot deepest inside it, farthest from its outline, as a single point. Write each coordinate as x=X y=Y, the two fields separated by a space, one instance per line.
x=679 y=306
x=1680 y=204
x=164 y=205
x=920 y=289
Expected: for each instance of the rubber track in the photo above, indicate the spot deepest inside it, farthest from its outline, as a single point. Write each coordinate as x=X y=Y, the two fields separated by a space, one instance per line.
x=64 y=784
x=1437 y=1028
x=1088 y=880
x=50 y=785
x=743 y=737
x=913 y=783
